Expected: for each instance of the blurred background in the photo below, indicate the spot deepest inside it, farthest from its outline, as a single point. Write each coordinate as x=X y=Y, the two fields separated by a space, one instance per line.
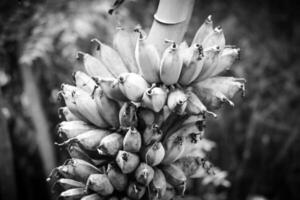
x=257 y=142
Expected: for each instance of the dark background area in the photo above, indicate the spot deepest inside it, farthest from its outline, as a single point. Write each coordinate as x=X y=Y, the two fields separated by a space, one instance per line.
x=257 y=141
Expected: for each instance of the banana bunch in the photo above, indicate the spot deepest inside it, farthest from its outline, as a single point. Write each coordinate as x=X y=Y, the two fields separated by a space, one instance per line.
x=133 y=123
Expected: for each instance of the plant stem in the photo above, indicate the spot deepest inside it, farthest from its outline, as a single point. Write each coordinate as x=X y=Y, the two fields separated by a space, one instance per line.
x=170 y=22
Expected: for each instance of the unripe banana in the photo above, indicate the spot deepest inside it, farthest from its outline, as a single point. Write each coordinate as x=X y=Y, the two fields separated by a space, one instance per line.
x=84 y=82
x=127 y=161
x=128 y=116
x=110 y=88
x=144 y=174
x=170 y=192
x=72 y=194
x=117 y=178
x=204 y=30
x=216 y=38
x=88 y=140
x=152 y=133
x=148 y=60
x=132 y=141
x=110 y=58
x=177 y=101
x=88 y=108
x=111 y=144
x=170 y=65
x=175 y=176
x=135 y=191
x=155 y=98
x=146 y=116
x=174 y=147
x=192 y=64
x=65 y=184
x=64 y=113
x=92 y=197
x=108 y=108
x=71 y=129
x=75 y=151
x=154 y=154
x=100 y=183
x=158 y=185
x=93 y=66
x=132 y=86
x=125 y=43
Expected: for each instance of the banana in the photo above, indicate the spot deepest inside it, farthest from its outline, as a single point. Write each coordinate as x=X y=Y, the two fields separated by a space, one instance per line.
x=170 y=65
x=204 y=30
x=100 y=183
x=88 y=108
x=135 y=191
x=216 y=38
x=196 y=146
x=125 y=43
x=65 y=184
x=177 y=101
x=192 y=64
x=71 y=129
x=152 y=133
x=174 y=147
x=110 y=58
x=93 y=66
x=175 y=176
x=170 y=192
x=155 y=98
x=92 y=197
x=110 y=88
x=158 y=185
x=117 y=178
x=64 y=113
x=127 y=161
x=144 y=174
x=154 y=154
x=108 y=108
x=75 y=151
x=111 y=144
x=146 y=116
x=72 y=194
x=128 y=116
x=84 y=82
x=132 y=141
x=88 y=140
x=148 y=60
x=132 y=86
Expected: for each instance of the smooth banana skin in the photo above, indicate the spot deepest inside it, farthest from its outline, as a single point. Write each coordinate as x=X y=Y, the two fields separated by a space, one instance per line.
x=176 y=177
x=88 y=140
x=204 y=30
x=107 y=108
x=155 y=98
x=72 y=194
x=65 y=114
x=125 y=43
x=87 y=107
x=154 y=154
x=65 y=184
x=110 y=145
x=193 y=61
x=216 y=38
x=171 y=65
x=151 y=134
x=99 y=183
x=127 y=161
x=135 y=191
x=110 y=88
x=132 y=141
x=84 y=82
x=148 y=60
x=177 y=101
x=158 y=185
x=71 y=129
x=109 y=57
x=92 y=197
x=117 y=178
x=132 y=86
x=144 y=174
x=174 y=147
x=128 y=116
x=93 y=66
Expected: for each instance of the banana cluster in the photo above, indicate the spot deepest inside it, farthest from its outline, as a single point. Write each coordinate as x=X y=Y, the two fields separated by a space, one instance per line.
x=134 y=122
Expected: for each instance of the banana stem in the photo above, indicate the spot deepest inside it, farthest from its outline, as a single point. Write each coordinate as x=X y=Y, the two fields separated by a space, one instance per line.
x=170 y=22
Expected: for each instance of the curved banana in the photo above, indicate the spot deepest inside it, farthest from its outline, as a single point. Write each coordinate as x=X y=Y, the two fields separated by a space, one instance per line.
x=74 y=193
x=71 y=129
x=128 y=116
x=154 y=154
x=135 y=191
x=99 y=183
x=144 y=174
x=204 y=30
x=158 y=185
x=177 y=101
x=132 y=141
x=216 y=38
x=110 y=145
x=127 y=161
x=117 y=178
x=151 y=134
x=84 y=82
x=174 y=147
x=64 y=113
x=155 y=98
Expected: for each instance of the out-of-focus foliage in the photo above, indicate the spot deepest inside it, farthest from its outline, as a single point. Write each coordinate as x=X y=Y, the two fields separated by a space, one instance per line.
x=256 y=143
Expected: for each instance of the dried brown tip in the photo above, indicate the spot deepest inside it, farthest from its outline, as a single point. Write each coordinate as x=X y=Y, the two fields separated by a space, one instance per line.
x=97 y=42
